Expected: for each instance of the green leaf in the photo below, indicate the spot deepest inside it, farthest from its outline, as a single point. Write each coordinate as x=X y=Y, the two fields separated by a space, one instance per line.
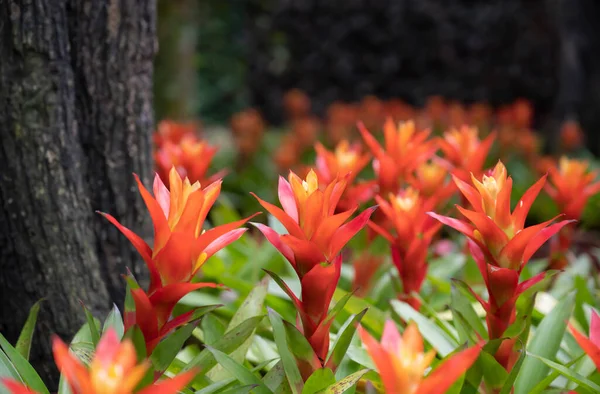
x=275 y=377
x=373 y=319
x=321 y=379
x=251 y=307
x=204 y=361
x=433 y=314
x=7 y=369
x=216 y=386
x=541 y=386
x=359 y=355
x=434 y=335
x=569 y=374
x=166 y=350
x=344 y=338
x=512 y=376
x=346 y=383
x=287 y=359
x=23 y=345
x=137 y=338
x=239 y=371
x=465 y=331
x=525 y=311
x=22 y=366
x=131 y=285
x=494 y=374
x=461 y=302
x=240 y=390
x=114 y=321
x=299 y=345
x=212 y=328
x=94 y=328
x=545 y=343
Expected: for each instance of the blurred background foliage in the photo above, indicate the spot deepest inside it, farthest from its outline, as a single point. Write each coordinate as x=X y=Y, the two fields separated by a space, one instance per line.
x=217 y=57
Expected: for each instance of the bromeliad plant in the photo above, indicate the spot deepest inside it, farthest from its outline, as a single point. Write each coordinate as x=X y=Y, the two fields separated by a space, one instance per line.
x=176 y=326
x=316 y=236
x=181 y=247
x=501 y=244
x=178 y=146
x=409 y=231
x=570 y=187
x=114 y=369
x=402 y=361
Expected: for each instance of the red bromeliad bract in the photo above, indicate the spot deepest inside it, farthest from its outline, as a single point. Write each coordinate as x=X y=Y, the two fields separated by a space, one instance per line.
x=499 y=241
x=591 y=344
x=316 y=235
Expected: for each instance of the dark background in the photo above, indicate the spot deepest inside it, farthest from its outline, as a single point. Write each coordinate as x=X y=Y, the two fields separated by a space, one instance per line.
x=249 y=53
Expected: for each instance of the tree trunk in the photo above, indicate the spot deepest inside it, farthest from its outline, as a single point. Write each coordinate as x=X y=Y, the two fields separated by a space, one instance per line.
x=75 y=122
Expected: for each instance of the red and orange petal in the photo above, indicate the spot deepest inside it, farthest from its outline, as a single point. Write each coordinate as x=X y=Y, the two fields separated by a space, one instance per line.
x=75 y=373
x=15 y=387
x=591 y=344
x=444 y=376
x=170 y=386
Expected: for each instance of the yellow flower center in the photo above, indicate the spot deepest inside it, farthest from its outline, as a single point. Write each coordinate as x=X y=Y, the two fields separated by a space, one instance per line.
x=345 y=159
x=311 y=184
x=491 y=186
x=406 y=130
x=108 y=380
x=405 y=201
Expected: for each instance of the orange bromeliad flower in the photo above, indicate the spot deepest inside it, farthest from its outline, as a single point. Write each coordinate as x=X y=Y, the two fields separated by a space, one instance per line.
x=464 y=151
x=316 y=235
x=571 y=185
x=409 y=230
x=402 y=362
x=591 y=344
x=404 y=149
x=499 y=242
x=191 y=157
x=432 y=181
x=113 y=370
x=173 y=132
x=181 y=247
x=345 y=161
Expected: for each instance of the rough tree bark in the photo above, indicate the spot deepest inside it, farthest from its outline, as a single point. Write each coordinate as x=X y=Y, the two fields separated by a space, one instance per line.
x=75 y=122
